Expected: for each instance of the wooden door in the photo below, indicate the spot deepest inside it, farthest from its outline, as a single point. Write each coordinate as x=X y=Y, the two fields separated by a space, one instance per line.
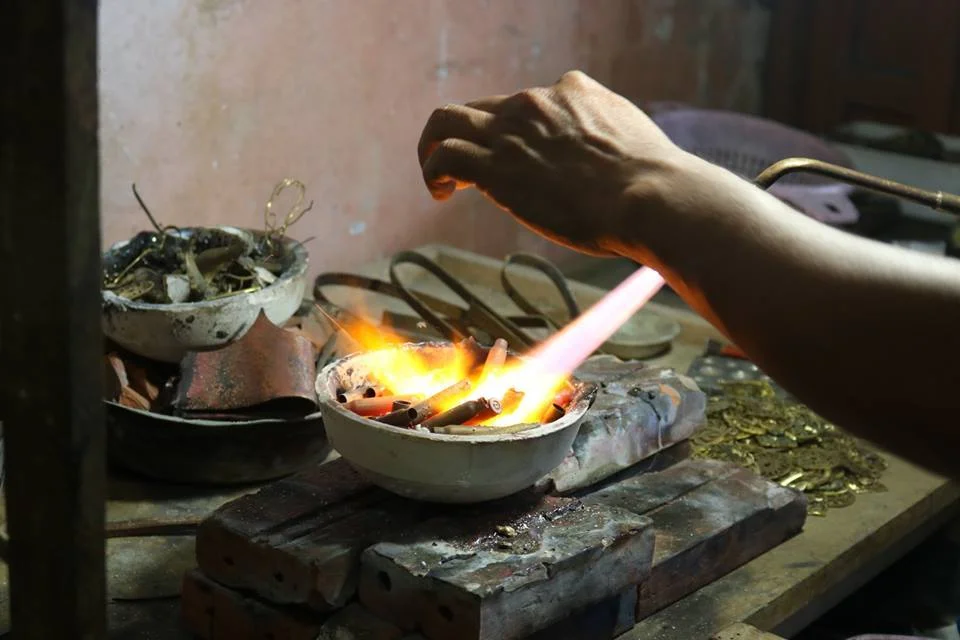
x=892 y=61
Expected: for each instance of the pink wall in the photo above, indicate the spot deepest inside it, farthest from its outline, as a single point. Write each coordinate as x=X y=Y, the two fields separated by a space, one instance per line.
x=206 y=104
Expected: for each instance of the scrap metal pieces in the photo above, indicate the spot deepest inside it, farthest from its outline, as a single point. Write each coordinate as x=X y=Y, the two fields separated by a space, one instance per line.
x=268 y=366
x=134 y=382
x=171 y=265
x=639 y=411
x=751 y=425
x=465 y=413
x=408 y=416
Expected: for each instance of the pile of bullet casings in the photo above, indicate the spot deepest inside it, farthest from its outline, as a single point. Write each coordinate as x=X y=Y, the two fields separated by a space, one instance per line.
x=466 y=418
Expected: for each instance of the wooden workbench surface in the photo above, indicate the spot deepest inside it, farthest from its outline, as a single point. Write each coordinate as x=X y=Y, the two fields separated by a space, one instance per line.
x=790 y=586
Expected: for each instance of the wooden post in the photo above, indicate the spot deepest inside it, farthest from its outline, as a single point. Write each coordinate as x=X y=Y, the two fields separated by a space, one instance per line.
x=50 y=339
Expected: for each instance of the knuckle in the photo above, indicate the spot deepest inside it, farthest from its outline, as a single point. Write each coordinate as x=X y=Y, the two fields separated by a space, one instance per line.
x=426 y=145
x=443 y=112
x=451 y=157
x=509 y=145
x=449 y=146
x=574 y=77
x=537 y=99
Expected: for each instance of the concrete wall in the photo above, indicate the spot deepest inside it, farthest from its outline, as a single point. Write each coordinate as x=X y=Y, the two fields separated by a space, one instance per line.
x=207 y=104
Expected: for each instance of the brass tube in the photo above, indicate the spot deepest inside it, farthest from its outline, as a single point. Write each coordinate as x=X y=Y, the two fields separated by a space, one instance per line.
x=496 y=357
x=479 y=410
x=376 y=406
x=936 y=200
x=552 y=413
x=345 y=397
x=427 y=408
x=511 y=400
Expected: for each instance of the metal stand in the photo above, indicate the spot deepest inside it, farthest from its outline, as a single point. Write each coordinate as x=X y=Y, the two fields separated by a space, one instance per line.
x=50 y=338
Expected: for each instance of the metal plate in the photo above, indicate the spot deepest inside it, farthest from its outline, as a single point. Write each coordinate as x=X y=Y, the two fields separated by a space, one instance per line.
x=212 y=452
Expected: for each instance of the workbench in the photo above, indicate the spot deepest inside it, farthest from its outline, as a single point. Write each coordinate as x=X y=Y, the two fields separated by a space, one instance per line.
x=781 y=591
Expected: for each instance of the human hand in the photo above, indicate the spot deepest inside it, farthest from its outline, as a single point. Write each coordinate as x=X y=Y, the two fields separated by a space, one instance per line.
x=561 y=159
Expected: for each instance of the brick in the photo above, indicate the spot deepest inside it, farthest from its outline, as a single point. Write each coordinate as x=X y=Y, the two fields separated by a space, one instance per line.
x=211 y=611
x=708 y=518
x=607 y=619
x=638 y=412
x=644 y=492
x=299 y=540
x=453 y=578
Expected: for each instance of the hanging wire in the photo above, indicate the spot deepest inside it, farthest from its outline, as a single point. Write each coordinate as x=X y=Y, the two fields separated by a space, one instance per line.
x=274 y=231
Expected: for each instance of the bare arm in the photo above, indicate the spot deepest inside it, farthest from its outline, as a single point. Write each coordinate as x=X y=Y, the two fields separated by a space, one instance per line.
x=863 y=332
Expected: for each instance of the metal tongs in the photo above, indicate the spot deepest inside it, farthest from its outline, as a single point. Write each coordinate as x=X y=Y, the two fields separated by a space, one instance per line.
x=547 y=268
x=477 y=314
x=451 y=321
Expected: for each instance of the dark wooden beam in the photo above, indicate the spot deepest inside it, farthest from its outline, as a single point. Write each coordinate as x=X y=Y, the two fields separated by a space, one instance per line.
x=786 y=69
x=50 y=339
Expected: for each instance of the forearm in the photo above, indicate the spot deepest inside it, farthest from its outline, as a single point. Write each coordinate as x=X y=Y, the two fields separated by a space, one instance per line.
x=863 y=332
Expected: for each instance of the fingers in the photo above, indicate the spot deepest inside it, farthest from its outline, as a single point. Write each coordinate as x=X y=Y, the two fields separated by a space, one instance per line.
x=491 y=104
x=454 y=122
x=456 y=164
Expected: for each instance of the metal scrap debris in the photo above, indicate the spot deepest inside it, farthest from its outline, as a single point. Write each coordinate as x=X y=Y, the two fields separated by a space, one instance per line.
x=171 y=265
x=786 y=442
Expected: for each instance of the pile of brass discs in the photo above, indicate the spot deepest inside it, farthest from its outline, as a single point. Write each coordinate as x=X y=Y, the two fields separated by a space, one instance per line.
x=749 y=425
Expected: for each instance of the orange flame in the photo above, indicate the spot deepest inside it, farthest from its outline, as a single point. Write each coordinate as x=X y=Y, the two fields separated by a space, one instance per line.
x=540 y=376
x=408 y=372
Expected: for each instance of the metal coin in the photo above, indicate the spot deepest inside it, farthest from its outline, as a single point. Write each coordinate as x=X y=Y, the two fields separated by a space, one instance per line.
x=840 y=500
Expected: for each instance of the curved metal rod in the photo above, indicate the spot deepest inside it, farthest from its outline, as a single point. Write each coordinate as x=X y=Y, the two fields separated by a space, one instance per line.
x=481 y=315
x=548 y=269
x=936 y=200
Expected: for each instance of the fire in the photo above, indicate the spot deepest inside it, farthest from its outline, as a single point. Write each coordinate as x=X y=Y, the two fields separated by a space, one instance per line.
x=408 y=372
x=404 y=372
x=539 y=376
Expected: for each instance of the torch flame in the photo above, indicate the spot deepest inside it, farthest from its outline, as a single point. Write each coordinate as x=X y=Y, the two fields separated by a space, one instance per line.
x=539 y=376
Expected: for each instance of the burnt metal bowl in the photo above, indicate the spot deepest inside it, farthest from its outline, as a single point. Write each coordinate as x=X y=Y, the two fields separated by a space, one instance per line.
x=436 y=467
x=212 y=452
x=166 y=332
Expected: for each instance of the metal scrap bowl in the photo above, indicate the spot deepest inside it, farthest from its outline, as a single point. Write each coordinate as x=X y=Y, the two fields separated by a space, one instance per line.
x=437 y=467
x=212 y=452
x=166 y=332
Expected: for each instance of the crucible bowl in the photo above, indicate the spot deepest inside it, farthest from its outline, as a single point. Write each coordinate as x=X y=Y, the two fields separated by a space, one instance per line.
x=437 y=467
x=166 y=332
